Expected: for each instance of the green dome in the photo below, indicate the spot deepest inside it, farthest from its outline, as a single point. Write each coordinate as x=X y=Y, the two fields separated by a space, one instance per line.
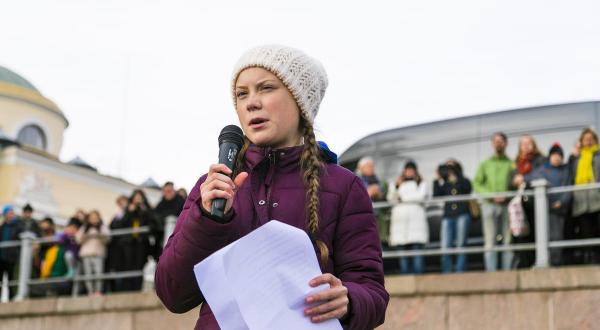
x=11 y=77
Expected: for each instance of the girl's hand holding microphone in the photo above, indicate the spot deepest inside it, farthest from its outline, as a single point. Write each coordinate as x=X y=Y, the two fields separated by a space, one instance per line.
x=218 y=184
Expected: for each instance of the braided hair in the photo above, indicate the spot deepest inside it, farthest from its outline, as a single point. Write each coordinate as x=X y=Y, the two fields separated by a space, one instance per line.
x=311 y=166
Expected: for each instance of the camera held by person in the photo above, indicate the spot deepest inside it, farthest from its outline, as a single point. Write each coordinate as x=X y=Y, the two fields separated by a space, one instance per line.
x=448 y=172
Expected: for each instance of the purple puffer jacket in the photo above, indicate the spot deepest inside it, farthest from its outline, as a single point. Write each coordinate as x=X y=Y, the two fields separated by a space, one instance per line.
x=275 y=190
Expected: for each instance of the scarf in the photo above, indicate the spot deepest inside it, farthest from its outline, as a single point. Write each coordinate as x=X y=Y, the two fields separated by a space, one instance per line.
x=525 y=163
x=49 y=260
x=135 y=225
x=585 y=171
x=54 y=264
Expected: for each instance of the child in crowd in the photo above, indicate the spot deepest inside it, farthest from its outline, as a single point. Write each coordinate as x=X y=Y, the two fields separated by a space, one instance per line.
x=92 y=238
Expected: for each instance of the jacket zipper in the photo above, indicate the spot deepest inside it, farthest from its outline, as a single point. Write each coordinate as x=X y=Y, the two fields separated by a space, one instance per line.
x=271 y=172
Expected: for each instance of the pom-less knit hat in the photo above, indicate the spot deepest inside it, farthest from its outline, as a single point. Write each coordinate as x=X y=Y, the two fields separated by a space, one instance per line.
x=303 y=76
x=7 y=208
x=410 y=164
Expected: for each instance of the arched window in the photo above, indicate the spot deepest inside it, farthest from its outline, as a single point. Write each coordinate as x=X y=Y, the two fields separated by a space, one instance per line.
x=32 y=135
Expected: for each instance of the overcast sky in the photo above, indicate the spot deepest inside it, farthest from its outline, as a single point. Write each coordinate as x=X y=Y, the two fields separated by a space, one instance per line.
x=145 y=84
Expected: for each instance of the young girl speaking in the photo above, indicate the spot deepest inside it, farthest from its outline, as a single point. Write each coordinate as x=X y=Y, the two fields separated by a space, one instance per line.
x=282 y=173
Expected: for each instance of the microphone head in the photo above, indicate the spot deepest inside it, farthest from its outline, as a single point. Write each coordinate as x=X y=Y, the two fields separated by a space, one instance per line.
x=232 y=134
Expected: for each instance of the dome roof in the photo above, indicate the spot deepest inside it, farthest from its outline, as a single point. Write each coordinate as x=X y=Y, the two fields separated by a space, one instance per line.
x=11 y=77
x=14 y=86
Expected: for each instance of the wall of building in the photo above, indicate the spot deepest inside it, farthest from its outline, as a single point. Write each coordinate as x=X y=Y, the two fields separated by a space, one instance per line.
x=17 y=113
x=560 y=298
x=57 y=189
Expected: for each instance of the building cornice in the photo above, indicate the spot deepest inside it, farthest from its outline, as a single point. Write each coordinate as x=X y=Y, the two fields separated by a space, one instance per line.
x=49 y=163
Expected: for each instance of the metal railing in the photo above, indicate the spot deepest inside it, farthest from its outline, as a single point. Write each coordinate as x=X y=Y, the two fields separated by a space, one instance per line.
x=542 y=243
x=28 y=240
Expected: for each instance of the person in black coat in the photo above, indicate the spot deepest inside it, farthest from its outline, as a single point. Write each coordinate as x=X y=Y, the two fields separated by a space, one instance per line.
x=171 y=204
x=29 y=223
x=557 y=174
x=10 y=230
x=457 y=216
x=115 y=256
x=137 y=246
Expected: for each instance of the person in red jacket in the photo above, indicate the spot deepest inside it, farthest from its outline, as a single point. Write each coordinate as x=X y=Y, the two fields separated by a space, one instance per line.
x=282 y=173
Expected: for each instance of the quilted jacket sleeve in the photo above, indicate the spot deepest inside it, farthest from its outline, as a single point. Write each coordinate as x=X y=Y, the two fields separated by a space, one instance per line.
x=195 y=238
x=358 y=260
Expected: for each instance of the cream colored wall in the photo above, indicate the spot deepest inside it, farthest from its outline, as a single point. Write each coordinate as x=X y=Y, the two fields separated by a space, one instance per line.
x=58 y=189
x=71 y=194
x=15 y=114
x=9 y=175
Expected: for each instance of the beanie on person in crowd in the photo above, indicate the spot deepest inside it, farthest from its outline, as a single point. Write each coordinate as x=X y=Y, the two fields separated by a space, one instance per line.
x=410 y=164
x=27 y=208
x=7 y=209
x=556 y=148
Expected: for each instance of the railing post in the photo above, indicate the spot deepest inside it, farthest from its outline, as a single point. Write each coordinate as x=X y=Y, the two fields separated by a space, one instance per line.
x=76 y=282
x=541 y=223
x=4 y=288
x=170 y=222
x=25 y=265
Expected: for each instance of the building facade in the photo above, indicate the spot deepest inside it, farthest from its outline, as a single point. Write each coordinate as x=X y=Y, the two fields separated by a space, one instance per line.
x=31 y=137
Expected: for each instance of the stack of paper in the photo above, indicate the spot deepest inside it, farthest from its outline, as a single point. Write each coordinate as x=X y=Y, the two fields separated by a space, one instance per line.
x=261 y=280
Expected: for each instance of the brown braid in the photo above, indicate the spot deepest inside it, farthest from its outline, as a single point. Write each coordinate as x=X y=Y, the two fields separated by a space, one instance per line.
x=239 y=162
x=311 y=167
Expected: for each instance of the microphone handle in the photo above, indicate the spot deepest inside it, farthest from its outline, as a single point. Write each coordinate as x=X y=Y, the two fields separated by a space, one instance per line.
x=227 y=155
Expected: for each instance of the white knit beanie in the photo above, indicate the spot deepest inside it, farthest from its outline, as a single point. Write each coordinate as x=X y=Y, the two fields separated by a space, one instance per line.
x=303 y=76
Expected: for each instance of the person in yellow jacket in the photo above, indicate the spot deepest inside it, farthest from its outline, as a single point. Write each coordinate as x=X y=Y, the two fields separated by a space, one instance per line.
x=586 y=203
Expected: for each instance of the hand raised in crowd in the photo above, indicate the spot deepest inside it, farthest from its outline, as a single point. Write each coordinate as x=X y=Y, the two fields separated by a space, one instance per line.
x=333 y=302
x=374 y=191
x=219 y=185
x=576 y=149
x=518 y=180
x=399 y=181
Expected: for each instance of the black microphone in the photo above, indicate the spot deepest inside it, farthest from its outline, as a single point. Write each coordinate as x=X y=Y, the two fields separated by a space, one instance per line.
x=231 y=140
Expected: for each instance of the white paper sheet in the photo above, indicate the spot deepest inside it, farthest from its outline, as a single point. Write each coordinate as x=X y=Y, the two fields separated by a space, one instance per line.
x=261 y=280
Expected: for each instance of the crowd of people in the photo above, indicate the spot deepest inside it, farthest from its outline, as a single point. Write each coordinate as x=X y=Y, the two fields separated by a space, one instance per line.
x=572 y=215
x=87 y=244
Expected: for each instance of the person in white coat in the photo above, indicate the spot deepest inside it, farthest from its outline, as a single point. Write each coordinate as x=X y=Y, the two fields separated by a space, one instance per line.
x=409 y=229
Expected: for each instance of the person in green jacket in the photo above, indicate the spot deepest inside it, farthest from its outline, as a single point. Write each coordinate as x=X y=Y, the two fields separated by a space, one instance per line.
x=493 y=175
